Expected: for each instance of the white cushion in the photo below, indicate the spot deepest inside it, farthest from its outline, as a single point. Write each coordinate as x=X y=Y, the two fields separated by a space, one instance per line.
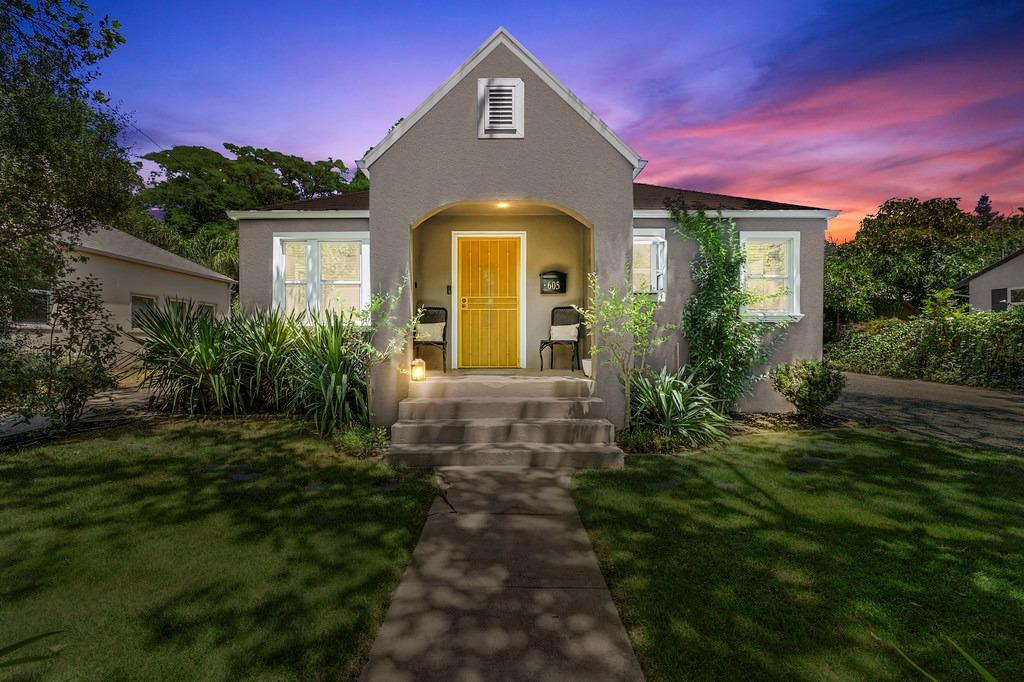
x=431 y=331
x=565 y=332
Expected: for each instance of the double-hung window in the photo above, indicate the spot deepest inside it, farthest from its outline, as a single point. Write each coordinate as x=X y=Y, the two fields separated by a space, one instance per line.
x=772 y=272
x=315 y=273
x=650 y=255
x=1016 y=297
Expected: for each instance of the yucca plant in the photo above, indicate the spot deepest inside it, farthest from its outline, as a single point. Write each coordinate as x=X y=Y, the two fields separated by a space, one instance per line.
x=185 y=361
x=260 y=349
x=678 y=406
x=328 y=380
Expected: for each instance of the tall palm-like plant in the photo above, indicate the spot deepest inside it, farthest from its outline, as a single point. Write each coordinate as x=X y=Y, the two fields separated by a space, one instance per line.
x=677 y=405
x=260 y=348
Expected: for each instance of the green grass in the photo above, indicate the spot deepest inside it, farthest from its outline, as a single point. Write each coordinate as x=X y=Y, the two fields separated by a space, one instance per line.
x=751 y=569
x=157 y=565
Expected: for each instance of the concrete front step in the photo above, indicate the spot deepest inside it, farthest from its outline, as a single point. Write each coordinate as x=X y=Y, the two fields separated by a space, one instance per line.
x=515 y=386
x=545 y=455
x=593 y=431
x=502 y=408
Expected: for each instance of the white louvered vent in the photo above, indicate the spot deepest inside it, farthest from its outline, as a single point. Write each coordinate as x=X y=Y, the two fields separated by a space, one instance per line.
x=500 y=103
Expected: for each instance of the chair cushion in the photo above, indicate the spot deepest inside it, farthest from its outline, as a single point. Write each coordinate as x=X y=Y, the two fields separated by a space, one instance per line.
x=430 y=331
x=565 y=332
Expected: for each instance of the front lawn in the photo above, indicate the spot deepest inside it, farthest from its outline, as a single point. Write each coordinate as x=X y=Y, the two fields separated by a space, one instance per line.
x=201 y=550
x=759 y=560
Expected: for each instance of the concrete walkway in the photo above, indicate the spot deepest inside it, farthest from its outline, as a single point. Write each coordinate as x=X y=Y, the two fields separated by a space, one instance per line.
x=503 y=585
x=978 y=417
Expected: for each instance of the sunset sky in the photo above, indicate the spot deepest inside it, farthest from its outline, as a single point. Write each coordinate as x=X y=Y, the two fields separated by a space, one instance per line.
x=839 y=104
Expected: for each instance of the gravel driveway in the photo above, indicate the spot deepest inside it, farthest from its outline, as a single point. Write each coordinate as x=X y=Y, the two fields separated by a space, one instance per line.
x=979 y=417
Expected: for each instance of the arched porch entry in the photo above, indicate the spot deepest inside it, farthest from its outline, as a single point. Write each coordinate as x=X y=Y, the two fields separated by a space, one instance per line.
x=481 y=261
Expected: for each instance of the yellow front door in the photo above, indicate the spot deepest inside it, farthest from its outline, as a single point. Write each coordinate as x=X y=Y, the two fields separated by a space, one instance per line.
x=488 y=299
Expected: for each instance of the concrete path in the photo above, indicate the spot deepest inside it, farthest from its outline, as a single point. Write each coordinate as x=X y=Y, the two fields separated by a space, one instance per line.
x=503 y=585
x=977 y=417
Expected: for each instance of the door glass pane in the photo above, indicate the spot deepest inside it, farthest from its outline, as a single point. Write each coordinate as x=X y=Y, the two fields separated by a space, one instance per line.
x=340 y=261
x=339 y=297
x=295 y=261
x=771 y=294
x=767 y=258
x=295 y=299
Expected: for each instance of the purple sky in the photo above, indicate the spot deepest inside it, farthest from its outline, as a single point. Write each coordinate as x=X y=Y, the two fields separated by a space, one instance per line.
x=841 y=105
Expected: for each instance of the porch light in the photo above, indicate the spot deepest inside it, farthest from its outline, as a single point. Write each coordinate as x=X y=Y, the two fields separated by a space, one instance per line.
x=418 y=370
x=503 y=204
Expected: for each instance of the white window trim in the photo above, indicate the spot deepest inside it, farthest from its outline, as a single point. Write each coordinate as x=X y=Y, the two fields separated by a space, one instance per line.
x=131 y=307
x=518 y=118
x=793 y=295
x=659 y=259
x=313 y=240
x=1009 y=297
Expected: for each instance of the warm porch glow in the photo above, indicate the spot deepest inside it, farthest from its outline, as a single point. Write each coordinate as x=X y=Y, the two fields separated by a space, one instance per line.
x=418 y=370
x=503 y=204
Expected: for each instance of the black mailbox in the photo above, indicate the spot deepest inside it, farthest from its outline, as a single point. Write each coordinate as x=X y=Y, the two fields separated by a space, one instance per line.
x=552 y=282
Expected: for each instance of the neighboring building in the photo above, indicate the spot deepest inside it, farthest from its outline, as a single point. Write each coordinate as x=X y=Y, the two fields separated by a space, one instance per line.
x=997 y=287
x=135 y=274
x=503 y=174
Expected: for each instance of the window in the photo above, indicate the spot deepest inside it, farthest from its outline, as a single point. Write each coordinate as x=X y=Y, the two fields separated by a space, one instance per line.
x=320 y=272
x=650 y=254
x=208 y=308
x=1016 y=296
x=178 y=305
x=140 y=303
x=500 y=103
x=35 y=309
x=772 y=272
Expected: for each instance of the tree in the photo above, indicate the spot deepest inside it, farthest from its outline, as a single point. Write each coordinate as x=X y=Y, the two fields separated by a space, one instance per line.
x=986 y=215
x=851 y=287
x=62 y=170
x=195 y=187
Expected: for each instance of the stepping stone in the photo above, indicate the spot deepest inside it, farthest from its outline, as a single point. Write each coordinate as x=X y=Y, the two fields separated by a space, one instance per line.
x=222 y=467
x=793 y=473
x=585 y=488
x=662 y=485
x=315 y=487
x=387 y=486
x=245 y=476
x=731 y=487
x=810 y=459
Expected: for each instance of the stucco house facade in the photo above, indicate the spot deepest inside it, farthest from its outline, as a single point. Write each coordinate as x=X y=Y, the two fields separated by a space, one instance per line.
x=498 y=177
x=135 y=274
x=997 y=287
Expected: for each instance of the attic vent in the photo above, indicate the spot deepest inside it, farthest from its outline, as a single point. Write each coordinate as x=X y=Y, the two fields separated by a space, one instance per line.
x=500 y=105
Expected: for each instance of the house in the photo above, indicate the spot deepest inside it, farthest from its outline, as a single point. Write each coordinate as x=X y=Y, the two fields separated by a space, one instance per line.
x=500 y=177
x=135 y=274
x=996 y=287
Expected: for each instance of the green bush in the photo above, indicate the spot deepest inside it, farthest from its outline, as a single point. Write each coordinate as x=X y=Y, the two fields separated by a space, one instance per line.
x=809 y=385
x=943 y=344
x=672 y=412
x=261 y=362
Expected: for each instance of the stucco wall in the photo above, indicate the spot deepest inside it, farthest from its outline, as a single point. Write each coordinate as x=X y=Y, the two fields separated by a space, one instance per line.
x=561 y=160
x=122 y=279
x=552 y=243
x=1009 y=275
x=803 y=339
x=256 y=252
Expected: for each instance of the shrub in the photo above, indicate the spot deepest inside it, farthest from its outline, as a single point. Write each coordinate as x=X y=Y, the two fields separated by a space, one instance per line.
x=678 y=406
x=264 y=361
x=360 y=441
x=809 y=385
x=944 y=344
x=725 y=345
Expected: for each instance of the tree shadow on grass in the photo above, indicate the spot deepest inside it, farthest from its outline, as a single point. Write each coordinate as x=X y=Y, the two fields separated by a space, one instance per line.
x=784 y=574
x=144 y=542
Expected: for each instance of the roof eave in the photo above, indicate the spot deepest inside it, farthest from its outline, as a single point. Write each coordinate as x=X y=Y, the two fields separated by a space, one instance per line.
x=214 y=276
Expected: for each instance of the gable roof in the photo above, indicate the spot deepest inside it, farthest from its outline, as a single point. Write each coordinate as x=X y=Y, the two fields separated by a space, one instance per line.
x=652 y=197
x=502 y=37
x=113 y=243
x=351 y=201
x=1001 y=261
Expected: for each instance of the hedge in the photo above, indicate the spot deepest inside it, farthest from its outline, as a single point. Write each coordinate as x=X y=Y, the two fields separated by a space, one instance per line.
x=973 y=349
